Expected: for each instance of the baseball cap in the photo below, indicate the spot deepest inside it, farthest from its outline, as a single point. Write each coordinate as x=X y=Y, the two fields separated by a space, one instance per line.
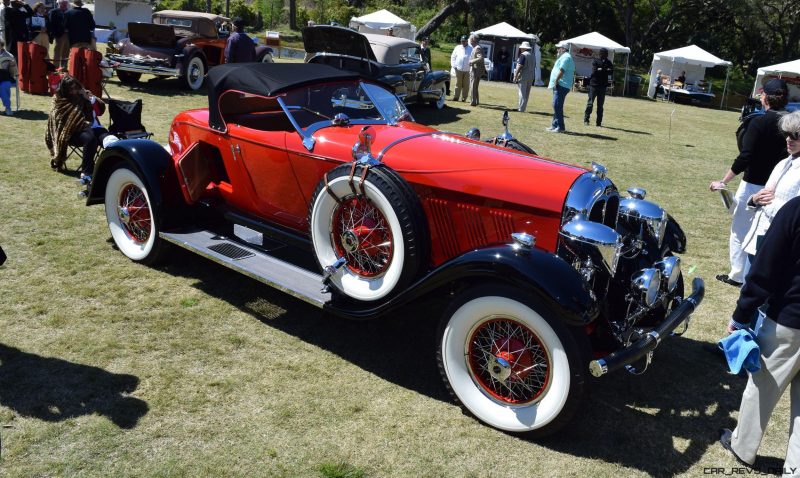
x=463 y=38
x=775 y=86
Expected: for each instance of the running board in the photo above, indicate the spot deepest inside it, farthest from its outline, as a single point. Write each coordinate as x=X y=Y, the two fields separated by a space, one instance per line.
x=274 y=272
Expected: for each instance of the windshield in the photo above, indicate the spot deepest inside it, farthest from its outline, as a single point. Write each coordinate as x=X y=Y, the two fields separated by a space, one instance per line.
x=359 y=101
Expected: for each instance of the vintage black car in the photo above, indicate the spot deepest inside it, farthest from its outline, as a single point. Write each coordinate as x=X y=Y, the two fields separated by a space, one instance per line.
x=177 y=43
x=393 y=61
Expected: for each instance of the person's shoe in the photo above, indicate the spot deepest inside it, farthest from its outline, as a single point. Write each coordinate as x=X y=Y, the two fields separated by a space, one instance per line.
x=550 y=129
x=586 y=123
x=473 y=104
x=725 y=436
x=9 y=112
x=598 y=125
x=724 y=278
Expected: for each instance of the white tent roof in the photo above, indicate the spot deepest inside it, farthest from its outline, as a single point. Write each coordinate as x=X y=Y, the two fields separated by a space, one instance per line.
x=505 y=30
x=692 y=55
x=596 y=40
x=380 y=19
x=788 y=67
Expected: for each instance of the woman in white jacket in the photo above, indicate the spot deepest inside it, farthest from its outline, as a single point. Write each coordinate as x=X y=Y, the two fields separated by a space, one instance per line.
x=783 y=184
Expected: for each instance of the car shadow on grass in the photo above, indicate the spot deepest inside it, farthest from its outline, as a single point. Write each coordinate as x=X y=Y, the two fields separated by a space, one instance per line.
x=161 y=87
x=632 y=131
x=662 y=422
x=429 y=116
x=52 y=389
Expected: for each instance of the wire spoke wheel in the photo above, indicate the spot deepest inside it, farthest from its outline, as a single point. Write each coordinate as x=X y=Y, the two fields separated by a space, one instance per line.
x=508 y=361
x=134 y=213
x=361 y=234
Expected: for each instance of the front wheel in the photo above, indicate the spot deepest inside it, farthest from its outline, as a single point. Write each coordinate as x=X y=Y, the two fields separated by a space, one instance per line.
x=439 y=102
x=509 y=362
x=195 y=73
x=266 y=58
x=131 y=217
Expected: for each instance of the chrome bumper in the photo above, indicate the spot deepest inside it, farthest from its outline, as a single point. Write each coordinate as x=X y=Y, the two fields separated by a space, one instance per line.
x=141 y=65
x=649 y=342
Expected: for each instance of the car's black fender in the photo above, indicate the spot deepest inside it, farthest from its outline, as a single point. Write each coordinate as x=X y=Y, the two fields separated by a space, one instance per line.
x=434 y=77
x=674 y=237
x=154 y=166
x=393 y=81
x=188 y=52
x=262 y=50
x=543 y=275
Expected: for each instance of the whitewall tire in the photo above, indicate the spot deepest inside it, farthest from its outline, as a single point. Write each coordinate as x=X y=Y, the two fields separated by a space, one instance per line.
x=131 y=217
x=509 y=363
x=376 y=229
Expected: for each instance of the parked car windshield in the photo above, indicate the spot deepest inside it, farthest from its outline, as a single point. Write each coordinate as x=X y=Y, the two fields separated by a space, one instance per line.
x=359 y=101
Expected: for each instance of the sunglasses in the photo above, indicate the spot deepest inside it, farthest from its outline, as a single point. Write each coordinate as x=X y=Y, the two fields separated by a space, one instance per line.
x=794 y=136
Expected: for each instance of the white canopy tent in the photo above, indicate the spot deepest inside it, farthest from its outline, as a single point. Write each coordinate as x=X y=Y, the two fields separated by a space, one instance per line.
x=381 y=21
x=789 y=72
x=693 y=60
x=586 y=48
x=502 y=34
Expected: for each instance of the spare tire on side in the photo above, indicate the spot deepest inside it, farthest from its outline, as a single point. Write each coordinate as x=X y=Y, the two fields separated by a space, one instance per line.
x=374 y=220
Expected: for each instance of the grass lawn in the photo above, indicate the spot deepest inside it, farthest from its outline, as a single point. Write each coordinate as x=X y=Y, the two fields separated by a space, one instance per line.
x=109 y=368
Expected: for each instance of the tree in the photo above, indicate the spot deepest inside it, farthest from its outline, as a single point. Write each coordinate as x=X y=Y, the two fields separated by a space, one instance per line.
x=293 y=14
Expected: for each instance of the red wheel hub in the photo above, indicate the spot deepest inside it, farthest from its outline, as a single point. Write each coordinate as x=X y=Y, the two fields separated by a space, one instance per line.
x=361 y=234
x=508 y=361
x=134 y=213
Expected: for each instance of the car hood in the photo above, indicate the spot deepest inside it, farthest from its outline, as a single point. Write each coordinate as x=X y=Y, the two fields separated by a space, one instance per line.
x=342 y=41
x=426 y=157
x=151 y=34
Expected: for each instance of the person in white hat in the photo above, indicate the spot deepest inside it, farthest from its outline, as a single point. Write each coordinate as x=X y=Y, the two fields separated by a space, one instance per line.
x=524 y=74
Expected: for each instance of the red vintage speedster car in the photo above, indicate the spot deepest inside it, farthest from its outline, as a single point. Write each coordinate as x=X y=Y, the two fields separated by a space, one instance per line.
x=318 y=182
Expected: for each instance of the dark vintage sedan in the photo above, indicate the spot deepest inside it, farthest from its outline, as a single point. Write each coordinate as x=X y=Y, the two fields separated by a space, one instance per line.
x=395 y=62
x=177 y=43
x=317 y=181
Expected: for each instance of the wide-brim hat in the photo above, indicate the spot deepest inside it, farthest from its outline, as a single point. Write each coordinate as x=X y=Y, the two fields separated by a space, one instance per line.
x=525 y=46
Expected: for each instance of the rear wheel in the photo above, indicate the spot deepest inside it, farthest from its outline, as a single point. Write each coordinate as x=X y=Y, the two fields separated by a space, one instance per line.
x=510 y=362
x=132 y=220
x=128 y=77
x=194 y=74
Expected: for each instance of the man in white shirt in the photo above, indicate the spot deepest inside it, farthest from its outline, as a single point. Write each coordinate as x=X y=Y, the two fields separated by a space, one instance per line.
x=459 y=62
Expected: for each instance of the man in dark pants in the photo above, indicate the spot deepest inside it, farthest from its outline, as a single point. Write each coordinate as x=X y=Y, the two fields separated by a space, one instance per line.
x=240 y=47
x=774 y=278
x=602 y=69
x=79 y=24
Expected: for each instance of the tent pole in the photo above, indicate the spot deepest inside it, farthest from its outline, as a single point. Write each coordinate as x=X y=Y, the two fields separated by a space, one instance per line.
x=725 y=88
x=627 y=64
x=671 y=82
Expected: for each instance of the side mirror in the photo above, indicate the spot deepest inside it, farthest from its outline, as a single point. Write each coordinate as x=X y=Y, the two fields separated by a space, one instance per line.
x=474 y=133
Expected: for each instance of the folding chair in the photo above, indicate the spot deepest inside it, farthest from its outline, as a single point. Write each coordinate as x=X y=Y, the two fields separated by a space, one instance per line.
x=126 y=119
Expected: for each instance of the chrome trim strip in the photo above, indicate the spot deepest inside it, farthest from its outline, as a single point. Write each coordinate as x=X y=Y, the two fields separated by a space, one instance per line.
x=151 y=70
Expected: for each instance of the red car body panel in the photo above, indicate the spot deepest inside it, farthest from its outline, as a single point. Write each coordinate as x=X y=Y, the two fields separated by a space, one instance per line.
x=473 y=193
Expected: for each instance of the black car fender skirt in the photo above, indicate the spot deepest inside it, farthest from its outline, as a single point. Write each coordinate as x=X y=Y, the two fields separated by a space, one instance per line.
x=543 y=275
x=154 y=165
x=433 y=77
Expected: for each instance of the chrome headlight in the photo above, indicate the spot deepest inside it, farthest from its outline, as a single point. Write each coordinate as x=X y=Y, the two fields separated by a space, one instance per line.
x=651 y=215
x=670 y=268
x=647 y=282
x=598 y=237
